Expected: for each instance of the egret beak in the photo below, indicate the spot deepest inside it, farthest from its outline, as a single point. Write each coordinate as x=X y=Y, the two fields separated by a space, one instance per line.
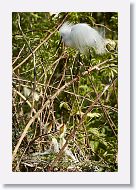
x=59 y=44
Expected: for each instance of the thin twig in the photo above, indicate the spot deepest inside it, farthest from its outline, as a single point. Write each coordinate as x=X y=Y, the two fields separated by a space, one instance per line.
x=18 y=55
x=43 y=42
x=48 y=102
x=76 y=128
x=111 y=123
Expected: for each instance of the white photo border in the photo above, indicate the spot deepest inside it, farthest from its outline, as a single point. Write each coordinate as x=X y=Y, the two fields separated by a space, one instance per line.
x=123 y=174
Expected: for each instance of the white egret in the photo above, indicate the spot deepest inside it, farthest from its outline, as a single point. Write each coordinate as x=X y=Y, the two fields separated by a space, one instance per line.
x=82 y=37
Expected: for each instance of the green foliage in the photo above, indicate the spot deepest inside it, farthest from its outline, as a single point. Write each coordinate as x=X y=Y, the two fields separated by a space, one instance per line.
x=95 y=142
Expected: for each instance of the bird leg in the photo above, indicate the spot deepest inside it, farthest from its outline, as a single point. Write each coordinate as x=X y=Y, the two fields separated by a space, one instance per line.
x=79 y=60
x=90 y=56
x=59 y=44
x=78 y=65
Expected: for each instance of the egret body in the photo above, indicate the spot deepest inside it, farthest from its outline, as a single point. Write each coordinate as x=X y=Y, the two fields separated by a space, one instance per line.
x=82 y=37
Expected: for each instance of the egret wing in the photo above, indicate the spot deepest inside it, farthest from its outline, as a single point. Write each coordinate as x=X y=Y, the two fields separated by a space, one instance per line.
x=84 y=37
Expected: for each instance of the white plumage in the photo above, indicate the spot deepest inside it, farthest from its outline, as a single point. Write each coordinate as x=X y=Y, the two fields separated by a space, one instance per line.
x=82 y=37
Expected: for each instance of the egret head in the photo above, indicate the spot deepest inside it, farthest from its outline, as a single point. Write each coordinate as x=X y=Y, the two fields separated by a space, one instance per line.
x=65 y=32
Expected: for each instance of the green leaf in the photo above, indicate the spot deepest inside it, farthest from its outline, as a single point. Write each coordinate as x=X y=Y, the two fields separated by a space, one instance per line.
x=94 y=145
x=80 y=113
x=91 y=115
x=64 y=105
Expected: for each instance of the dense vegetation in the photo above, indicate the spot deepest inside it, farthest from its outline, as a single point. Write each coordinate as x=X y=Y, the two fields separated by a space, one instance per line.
x=65 y=113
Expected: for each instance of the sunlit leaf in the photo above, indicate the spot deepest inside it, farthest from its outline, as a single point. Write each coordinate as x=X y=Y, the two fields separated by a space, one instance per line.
x=64 y=105
x=94 y=145
x=91 y=115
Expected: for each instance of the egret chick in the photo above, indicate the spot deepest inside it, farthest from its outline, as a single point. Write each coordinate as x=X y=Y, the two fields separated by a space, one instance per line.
x=82 y=37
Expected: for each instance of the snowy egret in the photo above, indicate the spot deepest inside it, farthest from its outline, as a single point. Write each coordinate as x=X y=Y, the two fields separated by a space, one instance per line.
x=82 y=37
